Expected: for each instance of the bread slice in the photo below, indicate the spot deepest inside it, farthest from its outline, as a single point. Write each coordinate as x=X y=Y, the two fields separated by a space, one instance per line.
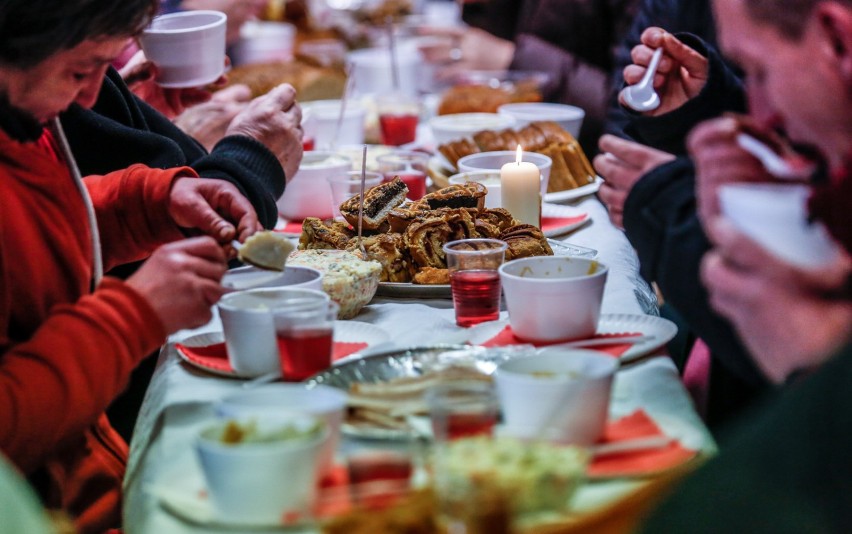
x=378 y=201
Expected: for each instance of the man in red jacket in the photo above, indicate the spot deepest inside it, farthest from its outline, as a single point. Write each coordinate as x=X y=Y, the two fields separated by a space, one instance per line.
x=69 y=337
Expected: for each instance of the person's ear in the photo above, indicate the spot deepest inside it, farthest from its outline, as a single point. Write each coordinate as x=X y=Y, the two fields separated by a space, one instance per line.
x=835 y=20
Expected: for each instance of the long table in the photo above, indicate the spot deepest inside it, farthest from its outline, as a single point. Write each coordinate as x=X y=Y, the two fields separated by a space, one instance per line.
x=179 y=400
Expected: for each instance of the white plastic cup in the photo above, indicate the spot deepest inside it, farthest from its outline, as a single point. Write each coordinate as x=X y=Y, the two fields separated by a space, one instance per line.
x=308 y=193
x=373 y=74
x=187 y=47
x=493 y=161
x=264 y=42
x=570 y=118
x=322 y=123
x=249 y=328
x=776 y=217
x=346 y=185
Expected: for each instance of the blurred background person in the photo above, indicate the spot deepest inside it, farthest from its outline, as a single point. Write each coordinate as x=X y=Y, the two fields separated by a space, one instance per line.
x=572 y=41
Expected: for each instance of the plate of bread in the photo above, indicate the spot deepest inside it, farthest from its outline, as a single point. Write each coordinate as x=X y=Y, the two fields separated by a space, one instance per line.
x=407 y=237
x=571 y=175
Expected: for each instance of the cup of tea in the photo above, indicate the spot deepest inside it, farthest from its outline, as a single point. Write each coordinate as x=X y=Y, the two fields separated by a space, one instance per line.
x=304 y=332
x=462 y=409
x=398 y=118
x=409 y=166
x=474 y=278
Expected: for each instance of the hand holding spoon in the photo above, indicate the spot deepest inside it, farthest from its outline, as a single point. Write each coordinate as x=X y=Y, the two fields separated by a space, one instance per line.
x=642 y=97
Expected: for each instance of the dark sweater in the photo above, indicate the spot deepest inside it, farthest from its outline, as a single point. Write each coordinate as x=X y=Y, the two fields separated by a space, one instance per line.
x=785 y=468
x=122 y=130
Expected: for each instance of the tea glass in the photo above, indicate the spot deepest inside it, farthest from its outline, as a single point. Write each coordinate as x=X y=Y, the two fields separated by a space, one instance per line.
x=474 y=279
x=398 y=118
x=410 y=166
x=462 y=409
x=304 y=332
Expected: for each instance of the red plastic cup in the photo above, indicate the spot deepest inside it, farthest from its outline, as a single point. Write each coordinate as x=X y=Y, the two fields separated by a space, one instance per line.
x=474 y=279
x=305 y=335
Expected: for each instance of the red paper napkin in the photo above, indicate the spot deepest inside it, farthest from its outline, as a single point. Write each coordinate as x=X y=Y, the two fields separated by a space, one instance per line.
x=552 y=223
x=291 y=227
x=641 y=462
x=507 y=337
x=215 y=356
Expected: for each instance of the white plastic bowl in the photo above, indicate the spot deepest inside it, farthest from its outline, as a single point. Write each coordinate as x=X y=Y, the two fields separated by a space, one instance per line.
x=566 y=292
x=446 y=128
x=570 y=118
x=250 y=277
x=493 y=161
x=263 y=42
x=324 y=402
x=187 y=47
x=308 y=194
x=261 y=483
x=559 y=394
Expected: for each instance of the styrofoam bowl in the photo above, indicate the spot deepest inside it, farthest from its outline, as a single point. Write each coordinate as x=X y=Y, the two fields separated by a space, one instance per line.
x=308 y=194
x=250 y=277
x=446 y=128
x=567 y=292
x=570 y=118
x=560 y=394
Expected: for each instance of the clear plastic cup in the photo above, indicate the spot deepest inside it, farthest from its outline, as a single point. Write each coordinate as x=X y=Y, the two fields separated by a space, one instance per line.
x=347 y=185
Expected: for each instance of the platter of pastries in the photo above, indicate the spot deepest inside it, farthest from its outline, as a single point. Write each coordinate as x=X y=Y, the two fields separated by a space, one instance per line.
x=407 y=237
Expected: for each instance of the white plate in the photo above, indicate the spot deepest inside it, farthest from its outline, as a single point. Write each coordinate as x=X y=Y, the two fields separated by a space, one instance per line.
x=573 y=194
x=557 y=211
x=443 y=291
x=344 y=332
x=438 y=164
x=661 y=329
x=186 y=498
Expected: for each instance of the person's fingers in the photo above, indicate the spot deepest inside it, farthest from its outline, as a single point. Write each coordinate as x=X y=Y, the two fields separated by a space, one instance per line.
x=741 y=252
x=454 y=32
x=234 y=93
x=282 y=96
x=613 y=198
x=629 y=152
x=652 y=36
x=204 y=247
x=724 y=128
x=694 y=63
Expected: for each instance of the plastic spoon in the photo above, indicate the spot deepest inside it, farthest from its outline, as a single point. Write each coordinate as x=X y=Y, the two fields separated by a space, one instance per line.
x=773 y=163
x=642 y=96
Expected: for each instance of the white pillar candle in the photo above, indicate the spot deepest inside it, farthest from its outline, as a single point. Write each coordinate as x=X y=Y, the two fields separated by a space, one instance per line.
x=520 y=184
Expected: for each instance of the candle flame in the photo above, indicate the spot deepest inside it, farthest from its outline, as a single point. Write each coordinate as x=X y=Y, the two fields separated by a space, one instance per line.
x=519 y=154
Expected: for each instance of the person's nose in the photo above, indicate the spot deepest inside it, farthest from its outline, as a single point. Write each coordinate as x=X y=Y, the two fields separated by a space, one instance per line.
x=88 y=94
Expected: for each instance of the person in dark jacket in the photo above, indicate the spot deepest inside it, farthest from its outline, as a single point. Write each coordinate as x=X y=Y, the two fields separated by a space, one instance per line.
x=571 y=40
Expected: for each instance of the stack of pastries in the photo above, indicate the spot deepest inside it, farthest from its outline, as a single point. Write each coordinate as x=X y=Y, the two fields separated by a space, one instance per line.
x=571 y=167
x=408 y=239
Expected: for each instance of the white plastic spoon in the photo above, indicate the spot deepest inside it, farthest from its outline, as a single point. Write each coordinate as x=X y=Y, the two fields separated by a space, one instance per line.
x=772 y=161
x=642 y=97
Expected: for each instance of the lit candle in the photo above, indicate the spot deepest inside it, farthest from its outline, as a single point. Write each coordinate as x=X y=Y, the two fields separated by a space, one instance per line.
x=520 y=186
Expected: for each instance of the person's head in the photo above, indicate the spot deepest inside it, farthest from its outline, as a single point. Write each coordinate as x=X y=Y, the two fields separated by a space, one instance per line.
x=798 y=55
x=55 y=52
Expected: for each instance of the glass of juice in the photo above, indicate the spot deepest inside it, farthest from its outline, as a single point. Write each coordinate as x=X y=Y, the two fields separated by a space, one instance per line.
x=410 y=166
x=304 y=331
x=398 y=118
x=462 y=409
x=474 y=279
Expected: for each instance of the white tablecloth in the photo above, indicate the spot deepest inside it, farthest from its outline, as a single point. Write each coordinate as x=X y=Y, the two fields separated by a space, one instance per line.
x=179 y=399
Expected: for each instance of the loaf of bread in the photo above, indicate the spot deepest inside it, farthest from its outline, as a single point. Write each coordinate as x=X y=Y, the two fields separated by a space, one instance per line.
x=312 y=82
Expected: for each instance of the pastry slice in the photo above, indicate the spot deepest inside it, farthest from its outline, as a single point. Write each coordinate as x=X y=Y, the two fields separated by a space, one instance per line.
x=378 y=201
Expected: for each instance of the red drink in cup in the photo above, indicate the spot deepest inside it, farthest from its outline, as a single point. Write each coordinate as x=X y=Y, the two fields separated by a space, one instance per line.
x=465 y=425
x=476 y=296
x=398 y=129
x=307 y=143
x=304 y=330
x=462 y=409
x=305 y=352
x=413 y=179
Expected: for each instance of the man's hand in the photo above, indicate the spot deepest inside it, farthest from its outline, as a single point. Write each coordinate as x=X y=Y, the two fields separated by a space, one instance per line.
x=181 y=281
x=787 y=317
x=622 y=163
x=681 y=74
x=212 y=207
x=460 y=49
x=274 y=120
x=207 y=122
x=719 y=160
x=140 y=75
